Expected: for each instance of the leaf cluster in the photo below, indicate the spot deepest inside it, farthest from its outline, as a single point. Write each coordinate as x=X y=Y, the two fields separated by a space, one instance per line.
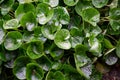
x=58 y=39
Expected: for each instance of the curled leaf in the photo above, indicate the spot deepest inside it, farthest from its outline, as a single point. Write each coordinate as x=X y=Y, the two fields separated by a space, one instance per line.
x=13 y=40
x=62 y=39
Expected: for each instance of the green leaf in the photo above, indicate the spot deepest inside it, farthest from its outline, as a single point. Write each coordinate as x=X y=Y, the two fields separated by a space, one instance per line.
x=115 y=24
x=35 y=49
x=45 y=63
x=2 y=56
x=29 y=23
x=19 y=69
x=22 y=9
x=28 y=36
x=2 y=32
x=82 y=61
x=82 y=5
x=52 y=3
x=44 y=13
x=76 y=40
x=115 y=18
x=13 y=40
x=91 y=15
x=107 y=43
x=49 y=31
x=85 y=71
x=114 y=14
x=95 y=30
x=61 y=15
x=99 y=3
x=34 y=72
x=96 y=75
x=56 y=66
x=62 y=39
x=56 y=52
x=95 y=46
x=38 y=35
x=71 y=2
x=55 y=76
x=67 y=68
x=118 y=49
x=11 y=24
x=26 y=1
x=80 y=56
x=6 y=6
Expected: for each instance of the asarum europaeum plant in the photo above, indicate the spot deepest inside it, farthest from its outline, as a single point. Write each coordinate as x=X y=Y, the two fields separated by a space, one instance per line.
x=58 y=39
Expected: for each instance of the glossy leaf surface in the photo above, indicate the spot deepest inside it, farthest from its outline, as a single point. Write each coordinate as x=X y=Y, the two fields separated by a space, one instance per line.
x=44 y=13
x=35 y=49
x=13 y=40
x=99 y=3
x=62 y=39
x=34 y=72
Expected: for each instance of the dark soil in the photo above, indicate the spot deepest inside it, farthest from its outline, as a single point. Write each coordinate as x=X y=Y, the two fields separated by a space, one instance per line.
x=113 y=74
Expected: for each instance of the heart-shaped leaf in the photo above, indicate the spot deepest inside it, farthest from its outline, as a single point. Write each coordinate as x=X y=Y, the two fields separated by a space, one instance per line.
x=29 y=23
x=13 y=40
x=55 y=76
x=35 y=49
x=99 y=3
x=19 y=69
x=71 y=2
x=44 y=13
x=11 y=24
x=34 y=72
x=52 y=3
x=22 y=9
x=62 y=39
x=80 y=56
x=81 y=5
x=61 y=15
x=91 y=15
